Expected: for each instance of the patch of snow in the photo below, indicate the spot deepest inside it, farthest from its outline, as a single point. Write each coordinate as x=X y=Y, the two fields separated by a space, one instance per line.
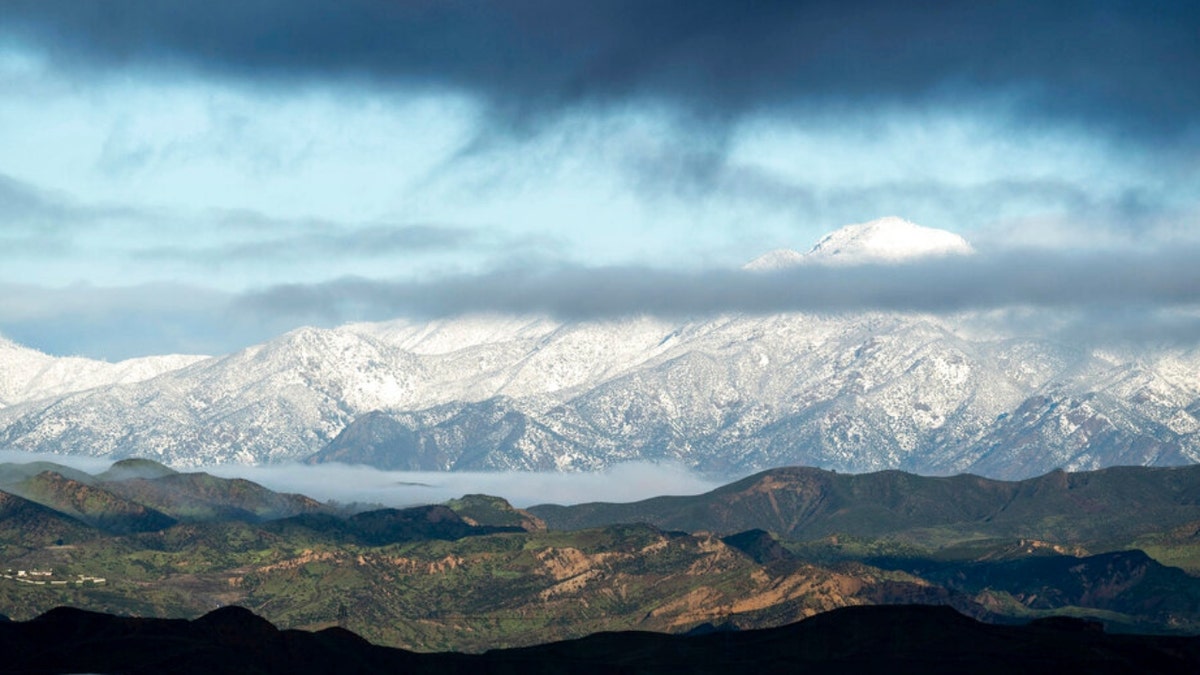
x=888 y=239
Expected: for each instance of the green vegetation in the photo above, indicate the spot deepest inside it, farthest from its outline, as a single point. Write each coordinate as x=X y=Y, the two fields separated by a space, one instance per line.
x=494 y=511
x=1112 y=505
x=477 y=574
x=136 y=467
x=1178 y=547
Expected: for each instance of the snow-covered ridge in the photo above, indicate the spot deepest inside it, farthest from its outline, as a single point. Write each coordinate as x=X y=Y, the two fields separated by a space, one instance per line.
x=726 y=394
x=733 y=394
x=27 y=374
x=780 y=258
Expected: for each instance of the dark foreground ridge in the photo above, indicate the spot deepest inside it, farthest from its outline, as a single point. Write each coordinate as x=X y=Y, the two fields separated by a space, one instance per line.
x=891 y=639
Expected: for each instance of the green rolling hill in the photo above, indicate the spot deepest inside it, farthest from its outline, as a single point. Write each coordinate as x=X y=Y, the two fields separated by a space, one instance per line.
x=477 y=574
x=802 y=503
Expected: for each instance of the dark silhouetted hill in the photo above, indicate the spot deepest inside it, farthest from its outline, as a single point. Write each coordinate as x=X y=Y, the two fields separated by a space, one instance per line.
x=892 y=640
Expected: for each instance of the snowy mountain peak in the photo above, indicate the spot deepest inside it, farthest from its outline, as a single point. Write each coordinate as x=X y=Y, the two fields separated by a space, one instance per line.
x=888 y=239
x=780 y=258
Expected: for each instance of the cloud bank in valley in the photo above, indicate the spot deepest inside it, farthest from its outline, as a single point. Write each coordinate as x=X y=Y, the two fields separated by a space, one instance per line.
x=348 y=484
x=367 y=486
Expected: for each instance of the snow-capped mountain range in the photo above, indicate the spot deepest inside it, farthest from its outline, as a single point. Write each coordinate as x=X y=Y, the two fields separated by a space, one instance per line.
x=728 y=394
x=28 y=375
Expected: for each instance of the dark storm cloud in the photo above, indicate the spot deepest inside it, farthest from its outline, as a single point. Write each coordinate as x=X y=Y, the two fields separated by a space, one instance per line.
x=1038 y=279
x=1128 y=214
x=1129 y=65
x=708 y=175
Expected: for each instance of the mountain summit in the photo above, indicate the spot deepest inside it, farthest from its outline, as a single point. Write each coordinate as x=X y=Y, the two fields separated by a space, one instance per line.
x=886 y=240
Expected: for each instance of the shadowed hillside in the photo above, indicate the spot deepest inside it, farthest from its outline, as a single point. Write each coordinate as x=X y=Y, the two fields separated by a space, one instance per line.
x=92 y=504
x=28 y=524
x=803 y=503
x=202 y=496
x=892 y=640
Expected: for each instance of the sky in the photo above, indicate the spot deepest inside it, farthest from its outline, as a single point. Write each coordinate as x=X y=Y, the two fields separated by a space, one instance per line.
x=197 y=177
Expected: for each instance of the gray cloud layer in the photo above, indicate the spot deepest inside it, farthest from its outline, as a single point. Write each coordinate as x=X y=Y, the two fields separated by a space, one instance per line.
x=1127 y=65
x=698 y=176
x=25 y=208
x=1028 y=279
x=1091 y=298
x=119 y=323
x=329 y=242
x=40 y=223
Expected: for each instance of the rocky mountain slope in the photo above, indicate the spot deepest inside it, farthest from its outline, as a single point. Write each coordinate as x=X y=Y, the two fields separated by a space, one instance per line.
x=727 y=395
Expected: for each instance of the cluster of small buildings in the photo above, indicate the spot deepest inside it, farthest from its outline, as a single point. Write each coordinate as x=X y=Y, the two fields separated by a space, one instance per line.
x=44 y=577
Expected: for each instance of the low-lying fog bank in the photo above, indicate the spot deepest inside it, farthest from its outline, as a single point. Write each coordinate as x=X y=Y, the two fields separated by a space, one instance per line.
x=366 y=485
